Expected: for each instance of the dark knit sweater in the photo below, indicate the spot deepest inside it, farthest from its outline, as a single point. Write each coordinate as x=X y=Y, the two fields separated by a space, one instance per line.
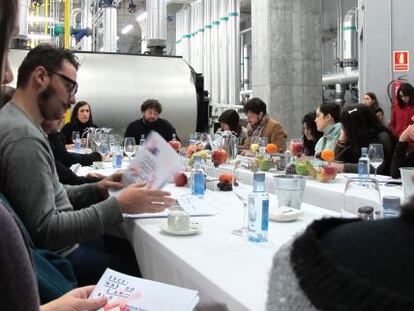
x=140 y=127
x=340 y=264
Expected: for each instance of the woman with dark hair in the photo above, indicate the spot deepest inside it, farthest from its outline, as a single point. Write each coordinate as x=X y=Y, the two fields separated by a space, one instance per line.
x=403 y=155
x=230 y=121
x=370 y=100
x=80 y=120
x=18 y=286
x=310 y=133
x=360 y=127
x=327 y=122
x=402 y=112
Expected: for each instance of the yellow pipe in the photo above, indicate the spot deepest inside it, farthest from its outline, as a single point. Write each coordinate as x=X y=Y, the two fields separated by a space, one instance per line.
x=37 y=15
x=46 y=16
x=67 y=24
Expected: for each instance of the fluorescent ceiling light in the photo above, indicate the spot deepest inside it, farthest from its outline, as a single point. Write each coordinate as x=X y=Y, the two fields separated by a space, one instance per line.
x=142 y=16
x=127 y=29
x=37 y=36
x=40 y=19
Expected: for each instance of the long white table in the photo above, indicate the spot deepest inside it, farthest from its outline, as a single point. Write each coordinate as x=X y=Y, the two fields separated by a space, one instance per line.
x=226 y=269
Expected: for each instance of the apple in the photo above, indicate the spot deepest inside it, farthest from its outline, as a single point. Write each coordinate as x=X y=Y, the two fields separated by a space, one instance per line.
x=190 y=150
x=219 y=156
x=175 y=144
x=296 y=148
x=180 y=179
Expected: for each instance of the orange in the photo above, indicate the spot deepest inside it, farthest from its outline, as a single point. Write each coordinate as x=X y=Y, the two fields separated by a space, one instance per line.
x=190 y=150
x=226 y=178
x=271 y=148
x=328 y=155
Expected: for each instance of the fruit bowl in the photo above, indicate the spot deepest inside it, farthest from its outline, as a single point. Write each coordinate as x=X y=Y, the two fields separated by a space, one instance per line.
x=326 y=173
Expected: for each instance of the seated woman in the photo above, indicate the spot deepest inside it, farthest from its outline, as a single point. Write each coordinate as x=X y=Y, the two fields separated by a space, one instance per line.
x=327 y=122
x=403 y=155
x=346 y=264
x=230 y=121
x=360 y=127
x=402 y=112
x=310 y=133
x=80 y=120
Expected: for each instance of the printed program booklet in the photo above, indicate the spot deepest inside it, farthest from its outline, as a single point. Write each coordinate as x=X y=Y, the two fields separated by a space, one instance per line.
x=128 y=293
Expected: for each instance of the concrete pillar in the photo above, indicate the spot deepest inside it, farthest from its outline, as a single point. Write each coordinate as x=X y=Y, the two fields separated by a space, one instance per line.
x=287 y=58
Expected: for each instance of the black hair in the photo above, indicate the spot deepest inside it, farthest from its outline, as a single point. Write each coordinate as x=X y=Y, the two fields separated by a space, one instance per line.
x=231 y=118
x=8 y=16
x=151 y=104
x=309 y=145
x=361 y=126
x=255 y=105
x=47 y=56
x=331 y=108
x=74 y=117
x=406 y=89
x=6 y=94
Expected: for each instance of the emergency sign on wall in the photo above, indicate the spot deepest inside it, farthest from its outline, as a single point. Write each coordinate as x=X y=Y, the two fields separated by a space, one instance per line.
x=401 y=61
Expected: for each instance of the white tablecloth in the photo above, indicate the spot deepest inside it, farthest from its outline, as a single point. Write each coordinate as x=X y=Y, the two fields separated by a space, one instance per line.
x=226 y=269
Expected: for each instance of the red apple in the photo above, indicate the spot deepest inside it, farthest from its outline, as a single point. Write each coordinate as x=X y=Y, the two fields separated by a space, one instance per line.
x=180 y=179
x=296 y=148
x=175 y=144
x=219 y=156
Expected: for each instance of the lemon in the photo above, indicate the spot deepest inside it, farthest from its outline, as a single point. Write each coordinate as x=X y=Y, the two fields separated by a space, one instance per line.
x=254 y=147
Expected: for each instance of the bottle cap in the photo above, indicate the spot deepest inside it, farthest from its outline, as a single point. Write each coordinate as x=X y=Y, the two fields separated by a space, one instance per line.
x=259 y=176
x=364 y=149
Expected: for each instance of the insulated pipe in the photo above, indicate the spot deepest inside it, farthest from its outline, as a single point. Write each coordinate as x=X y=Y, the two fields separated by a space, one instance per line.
x=224 y=64
x=110 y=29
x=86 y=44
x=350 y=77
x=187 y=35
x=46 y=8
x=207 y=45
x=234 y=51
x=156 y=26
x=178 y=33
x=215 y=65
x=67 y=25
x=350 y=42
x=246 y=64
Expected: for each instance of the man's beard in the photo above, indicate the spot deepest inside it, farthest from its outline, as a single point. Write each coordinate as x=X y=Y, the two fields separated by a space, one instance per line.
x=150 y=120
x=50 y=105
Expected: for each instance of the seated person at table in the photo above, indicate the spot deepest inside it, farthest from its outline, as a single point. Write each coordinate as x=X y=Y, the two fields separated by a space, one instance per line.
x=360 y=127
x=150 y=121
x=310 y=133
x=402 y=112
x=260 y=124
x=80 y=120
x=230 y=121
x=66 y=175
x=403 y=153
x=346 y=264
x=327 y=122
x=29 y=181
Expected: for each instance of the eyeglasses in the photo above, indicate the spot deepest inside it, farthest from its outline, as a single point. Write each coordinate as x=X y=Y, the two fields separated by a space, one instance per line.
x=72 y=88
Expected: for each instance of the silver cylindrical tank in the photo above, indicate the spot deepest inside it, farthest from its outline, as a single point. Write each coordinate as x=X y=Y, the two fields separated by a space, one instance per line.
x=350 y=41
x=115 y=86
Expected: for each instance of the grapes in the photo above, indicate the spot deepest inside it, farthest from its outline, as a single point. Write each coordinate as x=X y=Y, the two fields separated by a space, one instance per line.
x=225 y=186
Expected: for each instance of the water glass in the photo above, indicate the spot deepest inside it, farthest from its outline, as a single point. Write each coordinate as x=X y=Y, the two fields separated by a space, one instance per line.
x=289 y=190
x=129 y=146
x=74 y=135
x=407 y=184
x=361 y=193
x=376 y=156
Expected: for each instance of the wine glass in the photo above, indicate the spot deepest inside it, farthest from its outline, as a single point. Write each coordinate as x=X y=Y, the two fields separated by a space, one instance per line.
x=360 y=194
x=376 y=156
x=238 y=193
x=129 y=146
x=104 y=147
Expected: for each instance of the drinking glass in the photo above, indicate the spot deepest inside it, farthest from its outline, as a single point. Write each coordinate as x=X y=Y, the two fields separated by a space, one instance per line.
x=376 y=156
x=104 y=146
x=74 y=133
x=129 y=146
x=238 y=193
x=113 y=141
x=361 y=193
x=97 y=139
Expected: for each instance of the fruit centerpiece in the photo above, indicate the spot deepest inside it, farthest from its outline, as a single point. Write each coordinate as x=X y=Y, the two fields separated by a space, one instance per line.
x=219 y=156
x=175 y=144
x=327 y=171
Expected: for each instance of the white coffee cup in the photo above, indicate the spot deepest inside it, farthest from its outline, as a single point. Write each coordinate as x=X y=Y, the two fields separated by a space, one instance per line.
x=178 y=221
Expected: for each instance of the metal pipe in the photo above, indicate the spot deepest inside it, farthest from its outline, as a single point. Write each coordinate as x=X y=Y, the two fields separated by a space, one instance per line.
x=110 y=29
x=67 y=24
x=156 y=25
x=224 y=64
x=246 y=30
x=46 y=8
x=207 y=45
x=234 y=69
x=215 y=68
x=350 y=77
x=86 y=23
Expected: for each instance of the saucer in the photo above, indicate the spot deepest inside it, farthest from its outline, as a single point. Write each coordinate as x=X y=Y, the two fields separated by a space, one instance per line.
x=284 y=214
x=194 y=229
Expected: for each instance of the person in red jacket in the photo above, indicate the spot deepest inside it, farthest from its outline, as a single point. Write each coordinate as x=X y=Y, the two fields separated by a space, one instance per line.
x=403 y=111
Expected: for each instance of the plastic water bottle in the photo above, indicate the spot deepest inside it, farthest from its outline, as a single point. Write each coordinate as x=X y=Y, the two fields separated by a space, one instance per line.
x=77 y=142
x=198 y=179
x=258 y=210
x=117 y=157
x=142 y=140
x=363 y=164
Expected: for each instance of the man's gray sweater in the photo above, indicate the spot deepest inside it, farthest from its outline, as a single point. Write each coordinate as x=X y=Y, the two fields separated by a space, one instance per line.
x=28 y=179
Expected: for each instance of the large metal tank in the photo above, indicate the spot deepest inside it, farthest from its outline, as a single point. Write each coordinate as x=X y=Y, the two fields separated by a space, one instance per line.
x=115 y=85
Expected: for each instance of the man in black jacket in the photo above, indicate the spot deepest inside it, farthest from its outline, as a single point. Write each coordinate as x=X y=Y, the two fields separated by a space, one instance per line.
x=150 y=121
